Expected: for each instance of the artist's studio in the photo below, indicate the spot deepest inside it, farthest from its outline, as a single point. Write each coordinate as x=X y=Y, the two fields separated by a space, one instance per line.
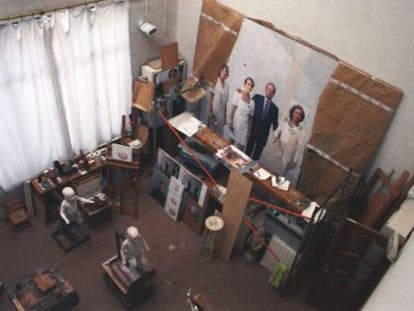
x=206 y=155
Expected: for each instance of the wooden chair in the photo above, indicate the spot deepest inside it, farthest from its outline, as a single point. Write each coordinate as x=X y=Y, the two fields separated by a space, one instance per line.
x=17 y=214
x=381 y=195
x=354 y=264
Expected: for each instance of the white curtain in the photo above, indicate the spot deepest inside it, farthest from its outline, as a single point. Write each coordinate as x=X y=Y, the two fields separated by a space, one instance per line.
x=65 y=82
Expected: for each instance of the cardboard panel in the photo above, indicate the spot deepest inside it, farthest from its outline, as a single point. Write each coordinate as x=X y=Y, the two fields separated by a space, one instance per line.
x=169 y=60
x=348 y=128
x=320 y=177
x=217 y=32
x=351 y=119
x=238 y=193
x=143 y=95
x=169 y=56
x=367 y=84
x=352 y=116
x=191 y=90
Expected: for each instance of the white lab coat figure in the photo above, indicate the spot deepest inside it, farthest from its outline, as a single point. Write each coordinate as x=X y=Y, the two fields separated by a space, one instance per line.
x=69 y=210
x=132 y=249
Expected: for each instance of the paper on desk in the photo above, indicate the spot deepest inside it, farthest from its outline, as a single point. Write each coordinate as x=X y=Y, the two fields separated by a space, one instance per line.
x=187 y=124
x=284 y=186
x=281 y=186
x=262 y=174
x=308 y=212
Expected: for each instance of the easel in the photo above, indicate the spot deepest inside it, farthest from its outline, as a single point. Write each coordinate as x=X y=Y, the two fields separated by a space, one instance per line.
x=132 y=169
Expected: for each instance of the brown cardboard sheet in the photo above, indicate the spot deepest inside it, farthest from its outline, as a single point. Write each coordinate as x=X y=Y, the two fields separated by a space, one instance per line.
x=191 y=91
x=169 y=60
x=320 y=178
x=352 y=116
x=368 y=84
x=143 y=95
x=215 y=39
x=348 y=126
x=169 y=56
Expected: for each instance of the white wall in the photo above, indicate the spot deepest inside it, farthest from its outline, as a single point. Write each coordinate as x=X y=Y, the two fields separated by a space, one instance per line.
x=395 y=291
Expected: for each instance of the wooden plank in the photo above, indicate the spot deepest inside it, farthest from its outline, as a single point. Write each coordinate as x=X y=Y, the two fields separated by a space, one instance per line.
x=169 y=56
x=217 y=33
x=235 y=201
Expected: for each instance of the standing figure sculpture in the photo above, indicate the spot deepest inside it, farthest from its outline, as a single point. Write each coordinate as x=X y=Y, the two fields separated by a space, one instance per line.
x=132 y=249
x=69 y=210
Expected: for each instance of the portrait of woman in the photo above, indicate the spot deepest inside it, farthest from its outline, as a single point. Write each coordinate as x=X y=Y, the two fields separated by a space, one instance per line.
x=241 y=113
x=218 y=102
x=289 y=138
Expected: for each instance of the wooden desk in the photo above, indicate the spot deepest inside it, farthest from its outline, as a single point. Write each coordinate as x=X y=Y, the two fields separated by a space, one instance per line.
x=106 y=161
x=43 y=193
x=211 y=139
x=292 y=197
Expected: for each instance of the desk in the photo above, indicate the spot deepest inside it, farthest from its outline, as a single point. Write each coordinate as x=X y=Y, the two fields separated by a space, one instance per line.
x=44 y=193
x=44 y=290
x=211 y=139
x=292 y=197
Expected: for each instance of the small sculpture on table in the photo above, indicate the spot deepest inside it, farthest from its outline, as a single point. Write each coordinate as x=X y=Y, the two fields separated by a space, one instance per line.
x=132 y=250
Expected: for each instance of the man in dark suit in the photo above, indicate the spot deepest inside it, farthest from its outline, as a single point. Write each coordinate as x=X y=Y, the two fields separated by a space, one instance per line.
x=265 y=114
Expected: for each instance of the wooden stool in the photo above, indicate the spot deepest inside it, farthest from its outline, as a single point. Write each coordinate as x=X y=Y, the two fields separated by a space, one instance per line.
x=213 y=224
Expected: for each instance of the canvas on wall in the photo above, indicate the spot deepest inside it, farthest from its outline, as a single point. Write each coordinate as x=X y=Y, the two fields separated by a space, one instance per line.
x=299 y=72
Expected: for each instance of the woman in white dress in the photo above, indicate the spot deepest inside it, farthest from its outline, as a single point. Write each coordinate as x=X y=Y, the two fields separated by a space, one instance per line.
x=290 y=139
x=218 y=102
x=241 y=113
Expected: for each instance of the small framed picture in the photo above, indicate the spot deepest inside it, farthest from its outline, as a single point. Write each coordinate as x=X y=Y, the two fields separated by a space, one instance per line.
x=167 y=164
x=193 y=186
x=193 y=214
x=159 y=186
x=173 y=202
x=122 y=152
